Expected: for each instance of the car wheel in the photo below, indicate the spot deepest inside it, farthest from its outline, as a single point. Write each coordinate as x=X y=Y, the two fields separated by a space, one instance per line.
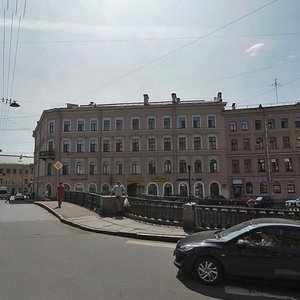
x=208 y=270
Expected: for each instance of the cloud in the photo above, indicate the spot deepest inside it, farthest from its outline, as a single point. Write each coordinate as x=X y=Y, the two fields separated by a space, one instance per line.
x=253 y=50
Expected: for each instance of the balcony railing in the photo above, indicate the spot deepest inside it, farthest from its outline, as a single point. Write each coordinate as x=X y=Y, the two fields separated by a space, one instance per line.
x=47 y=155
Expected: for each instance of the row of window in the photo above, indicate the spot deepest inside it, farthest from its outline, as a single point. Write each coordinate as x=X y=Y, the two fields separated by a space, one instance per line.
x=119 y=123
x=276 y=186
x=260 y=143
x=261 y=165
x=13 y=181
x=259 y=124
x=135 y=167
x=182 y=144
x=15 y=171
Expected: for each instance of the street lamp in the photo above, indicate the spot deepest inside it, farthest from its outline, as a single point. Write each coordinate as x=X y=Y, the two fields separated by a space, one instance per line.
x=190 y=192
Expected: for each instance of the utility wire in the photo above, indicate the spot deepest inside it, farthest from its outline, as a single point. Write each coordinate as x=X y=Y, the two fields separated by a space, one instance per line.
x=15 y=60
x=176 y=50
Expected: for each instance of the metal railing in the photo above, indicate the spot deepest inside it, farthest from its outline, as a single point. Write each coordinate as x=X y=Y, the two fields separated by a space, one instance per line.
x=216 y=217
x=171 y=212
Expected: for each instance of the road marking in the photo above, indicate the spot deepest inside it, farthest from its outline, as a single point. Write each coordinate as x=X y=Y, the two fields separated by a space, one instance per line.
x=151 y=244
x=254 y=293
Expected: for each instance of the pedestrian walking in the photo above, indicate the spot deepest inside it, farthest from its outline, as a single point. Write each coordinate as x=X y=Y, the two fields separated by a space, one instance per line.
x=8 y=198
x=119 y=190
x=60 y=193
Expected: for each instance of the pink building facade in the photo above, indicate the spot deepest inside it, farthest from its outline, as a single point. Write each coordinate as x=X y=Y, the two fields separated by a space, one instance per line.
x=158 y=148
x=189 y=148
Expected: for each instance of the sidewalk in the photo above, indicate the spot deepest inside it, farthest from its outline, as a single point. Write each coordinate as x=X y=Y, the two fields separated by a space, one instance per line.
x=85 y=219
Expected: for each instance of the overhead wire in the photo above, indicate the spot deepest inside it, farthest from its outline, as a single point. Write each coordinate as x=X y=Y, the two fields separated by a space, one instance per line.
x=175 y=50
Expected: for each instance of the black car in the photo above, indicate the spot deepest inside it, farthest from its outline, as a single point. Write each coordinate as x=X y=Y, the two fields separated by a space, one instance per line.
x=261 y=202
x=214 y=200
x=268 y=247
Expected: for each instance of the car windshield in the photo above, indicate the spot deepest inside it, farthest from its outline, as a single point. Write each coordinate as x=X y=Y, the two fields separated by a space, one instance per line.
x=234 y=231
x=259 y=198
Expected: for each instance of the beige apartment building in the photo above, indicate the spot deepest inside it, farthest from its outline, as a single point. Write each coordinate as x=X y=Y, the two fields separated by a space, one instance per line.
x=16 y=173
x=191 y=148
x=159 y=148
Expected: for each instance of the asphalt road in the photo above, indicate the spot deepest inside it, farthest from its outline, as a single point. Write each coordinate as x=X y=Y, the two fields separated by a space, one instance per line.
x=41 y=258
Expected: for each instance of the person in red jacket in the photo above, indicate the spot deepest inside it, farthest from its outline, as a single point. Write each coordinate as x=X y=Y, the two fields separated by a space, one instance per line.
x=60 y=193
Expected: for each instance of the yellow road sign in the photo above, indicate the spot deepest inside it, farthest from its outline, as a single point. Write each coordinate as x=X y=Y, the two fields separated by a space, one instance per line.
x=58 y=165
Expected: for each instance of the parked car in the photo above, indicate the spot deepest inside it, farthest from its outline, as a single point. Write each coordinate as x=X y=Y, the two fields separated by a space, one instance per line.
x=294 y=203
x=240 y=200
x=4 y=192
x=261 y=202
x=243 y=250
x=214 y=200
x=20 y=196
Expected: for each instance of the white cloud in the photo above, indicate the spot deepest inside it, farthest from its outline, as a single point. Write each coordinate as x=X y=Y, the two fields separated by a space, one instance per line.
x=253 y=50
x=292 y=56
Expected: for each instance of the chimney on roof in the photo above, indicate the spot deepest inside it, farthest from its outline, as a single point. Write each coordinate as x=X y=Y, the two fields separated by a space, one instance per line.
x=146 y=99
x=220 y=97
x=233 y=106
x=175 y=100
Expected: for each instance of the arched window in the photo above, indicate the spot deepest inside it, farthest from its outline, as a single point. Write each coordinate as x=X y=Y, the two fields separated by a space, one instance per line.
x=213 y=166
x=79 y=187
x=168 y=189
x=198 y=166
x=152 y=189
x=167 y=167
x=106 y=168
x=136 y=168
x=67 y=187
x=249 y=188
x=214 y=189
x=92 y=188
x=291 y=188
x=93 y=169
x=182 y=166
x=49 y=166
x=183 y=190
x=105 y=189
x=276 y=187
x=263 y=188
x=199 y=190
x=152 y=167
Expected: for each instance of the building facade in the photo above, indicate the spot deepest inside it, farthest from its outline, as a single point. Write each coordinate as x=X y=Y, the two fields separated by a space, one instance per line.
x=161 y=148
x=16 y=173
x=189 y=148
x=264 y=151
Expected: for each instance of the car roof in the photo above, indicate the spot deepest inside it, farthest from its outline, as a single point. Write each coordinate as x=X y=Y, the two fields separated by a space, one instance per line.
x=274 y=221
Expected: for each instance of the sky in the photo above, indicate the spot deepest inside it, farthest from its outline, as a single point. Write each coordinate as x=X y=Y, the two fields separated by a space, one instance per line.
x=54 y=52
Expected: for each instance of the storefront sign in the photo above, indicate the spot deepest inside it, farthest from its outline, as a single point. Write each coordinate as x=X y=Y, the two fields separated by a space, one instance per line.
x=160 y=178
x=135 y=179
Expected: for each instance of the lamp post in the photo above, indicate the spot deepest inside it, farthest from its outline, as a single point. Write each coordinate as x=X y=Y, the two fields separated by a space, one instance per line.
x=190 y=192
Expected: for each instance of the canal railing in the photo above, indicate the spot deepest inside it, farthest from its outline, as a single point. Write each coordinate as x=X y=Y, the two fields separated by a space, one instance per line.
x=190 y=216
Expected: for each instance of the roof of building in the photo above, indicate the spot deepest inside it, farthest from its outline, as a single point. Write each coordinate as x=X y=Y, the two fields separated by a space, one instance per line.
x=16 y=159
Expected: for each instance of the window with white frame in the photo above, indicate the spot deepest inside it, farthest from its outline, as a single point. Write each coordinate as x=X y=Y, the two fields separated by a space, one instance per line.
x=93 y=168
x=167 y=167
x=106 y=145
x=66 y=168
x=80 y=145
x=79 y=168
x=66 y=146
x=94 y=125
x=135 y=124
x=211 y=121
x=182 y=143
x=196 y=122
x=67 y=126
x=212 y=142
x=119 y=124
x=167 y=122
x=151 y=123
x=197 y=143
x=106 y=125
x=135 y=168
x=93 y=145
x=167 y=144
x=181 y=122
x=152 y=167
x=151 y=144
x=51 y=127
x=119 y=144
x=106 y=168
x=80 y=125
x=135 y=144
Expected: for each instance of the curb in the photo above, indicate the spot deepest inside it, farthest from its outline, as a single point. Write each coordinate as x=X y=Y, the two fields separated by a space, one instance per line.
x=141 y=236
